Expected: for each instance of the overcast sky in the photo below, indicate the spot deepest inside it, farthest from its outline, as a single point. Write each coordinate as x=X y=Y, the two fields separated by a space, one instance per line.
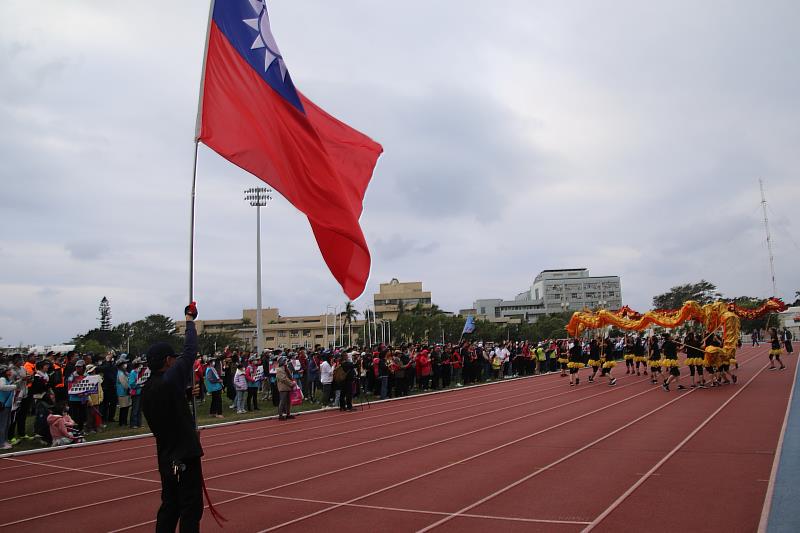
x=623 y=136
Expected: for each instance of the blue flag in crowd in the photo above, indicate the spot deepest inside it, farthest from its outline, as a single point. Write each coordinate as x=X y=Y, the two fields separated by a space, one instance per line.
x=469 y=325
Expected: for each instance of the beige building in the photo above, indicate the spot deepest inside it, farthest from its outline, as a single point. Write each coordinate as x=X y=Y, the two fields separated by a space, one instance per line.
x=284 y=331
x=394 y=295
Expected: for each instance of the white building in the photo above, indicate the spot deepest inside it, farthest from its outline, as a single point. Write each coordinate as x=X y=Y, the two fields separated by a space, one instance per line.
x=790 y=319
x=555 y=291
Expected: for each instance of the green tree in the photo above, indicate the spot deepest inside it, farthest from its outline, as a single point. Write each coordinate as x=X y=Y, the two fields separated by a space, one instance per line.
x=703 y=292
x=96 y=341
x=210 y=343
x=350 y=313
x=122 y=334
x=796 y=298
x=152 y=329
x=91 y=346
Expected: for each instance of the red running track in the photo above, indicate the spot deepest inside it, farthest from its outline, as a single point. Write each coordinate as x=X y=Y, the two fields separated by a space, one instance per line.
x=523 y=455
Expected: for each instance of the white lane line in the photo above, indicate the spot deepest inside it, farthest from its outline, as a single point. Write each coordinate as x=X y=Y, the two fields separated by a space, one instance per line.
x=400 y=509
x=762 y=523
x=423 y=397
x=379 y=403
x=293 y=443
x=321 y=452
x=406 y=451
x=542 y=469
x=672 y=452
x=461 y=461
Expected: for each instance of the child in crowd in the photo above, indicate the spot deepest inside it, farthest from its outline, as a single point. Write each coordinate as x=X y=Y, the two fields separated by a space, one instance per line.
x=62 y=427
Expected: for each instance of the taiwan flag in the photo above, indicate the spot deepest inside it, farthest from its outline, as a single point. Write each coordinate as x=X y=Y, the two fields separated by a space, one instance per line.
x=253 y=116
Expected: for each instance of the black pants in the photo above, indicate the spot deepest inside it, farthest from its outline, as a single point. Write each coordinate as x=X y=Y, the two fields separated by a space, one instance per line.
x=108 y=409
x=423 y=382
x=252 y=395
x=19 y=417
x=346 y=396
x=327 y=388
x=77 y=410
x=123 y=416
x=181 y=497
x=273 y=388
x=445 y=376
x=216 y=403
x=284 y=403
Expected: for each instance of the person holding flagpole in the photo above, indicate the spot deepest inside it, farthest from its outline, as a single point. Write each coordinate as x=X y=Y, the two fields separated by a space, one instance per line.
x=177 y=441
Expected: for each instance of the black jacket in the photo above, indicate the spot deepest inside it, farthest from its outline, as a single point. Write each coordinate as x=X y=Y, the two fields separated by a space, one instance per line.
x=166 y=409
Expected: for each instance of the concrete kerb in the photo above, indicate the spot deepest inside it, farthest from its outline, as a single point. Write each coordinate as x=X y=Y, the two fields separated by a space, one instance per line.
x=257 y=419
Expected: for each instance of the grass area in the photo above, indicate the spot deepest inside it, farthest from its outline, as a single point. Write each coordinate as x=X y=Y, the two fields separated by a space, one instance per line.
x=113 y=430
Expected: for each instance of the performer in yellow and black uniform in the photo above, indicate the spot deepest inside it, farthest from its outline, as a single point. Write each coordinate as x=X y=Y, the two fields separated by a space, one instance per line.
x=711 y=361
x=775 y=350
x=694 y=359
x=563 y=357
x=670 y=362
x=654 y=360
x=607 y=361
x=594 y=358
x=638 y=354
x=628 y=356
x=575 y=362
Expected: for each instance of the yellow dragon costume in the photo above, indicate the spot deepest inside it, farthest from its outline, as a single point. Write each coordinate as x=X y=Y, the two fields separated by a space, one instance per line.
x=713 y=316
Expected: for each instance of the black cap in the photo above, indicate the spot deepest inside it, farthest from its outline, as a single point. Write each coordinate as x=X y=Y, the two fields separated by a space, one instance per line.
x=157 y=354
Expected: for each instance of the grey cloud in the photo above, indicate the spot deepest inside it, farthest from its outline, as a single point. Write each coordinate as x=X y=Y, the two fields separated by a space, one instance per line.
x=86 y=251
x=396 y=246
x=531 y=136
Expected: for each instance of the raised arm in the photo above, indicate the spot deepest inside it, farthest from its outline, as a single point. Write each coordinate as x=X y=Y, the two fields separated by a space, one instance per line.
x=180 y=373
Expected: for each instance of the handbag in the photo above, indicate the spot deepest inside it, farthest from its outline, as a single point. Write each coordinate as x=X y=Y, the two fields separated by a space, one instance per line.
x=296 y=396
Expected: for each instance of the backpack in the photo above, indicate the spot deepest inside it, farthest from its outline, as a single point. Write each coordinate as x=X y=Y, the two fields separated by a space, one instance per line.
x=339 y=375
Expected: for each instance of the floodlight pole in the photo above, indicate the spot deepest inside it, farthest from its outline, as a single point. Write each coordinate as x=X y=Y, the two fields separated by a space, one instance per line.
x=258 y=197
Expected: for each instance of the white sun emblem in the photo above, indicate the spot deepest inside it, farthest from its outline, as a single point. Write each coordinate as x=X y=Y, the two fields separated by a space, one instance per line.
x=264 y=39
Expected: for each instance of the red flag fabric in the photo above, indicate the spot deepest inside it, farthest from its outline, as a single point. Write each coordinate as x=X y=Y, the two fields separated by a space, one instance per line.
x=252 y=115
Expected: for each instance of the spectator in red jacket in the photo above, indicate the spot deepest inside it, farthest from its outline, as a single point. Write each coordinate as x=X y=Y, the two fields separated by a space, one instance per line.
x=456 y=362
x=423 y=369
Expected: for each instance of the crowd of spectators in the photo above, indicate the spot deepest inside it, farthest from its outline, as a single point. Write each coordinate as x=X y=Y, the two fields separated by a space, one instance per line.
x=70 y=395
x=47 y=388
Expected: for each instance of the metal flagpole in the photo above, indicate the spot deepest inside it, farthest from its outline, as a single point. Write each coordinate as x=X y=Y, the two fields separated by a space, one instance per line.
x=194 y=184
x=369 y=328
x=375 y=325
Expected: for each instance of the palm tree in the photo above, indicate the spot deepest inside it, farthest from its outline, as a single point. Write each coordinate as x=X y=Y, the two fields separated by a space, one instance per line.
x=349 y=314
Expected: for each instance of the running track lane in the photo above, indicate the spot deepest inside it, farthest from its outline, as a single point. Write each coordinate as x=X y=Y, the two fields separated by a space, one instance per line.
x=88 y=470
x=120 y=489
x=310 y=433
x=408 y=517
x=504 y=469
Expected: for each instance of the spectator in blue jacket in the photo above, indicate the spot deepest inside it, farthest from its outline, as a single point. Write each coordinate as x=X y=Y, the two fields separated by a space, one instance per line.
x=135 y=391
x=213 y=383
x=7 y=389
x=123 y=398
